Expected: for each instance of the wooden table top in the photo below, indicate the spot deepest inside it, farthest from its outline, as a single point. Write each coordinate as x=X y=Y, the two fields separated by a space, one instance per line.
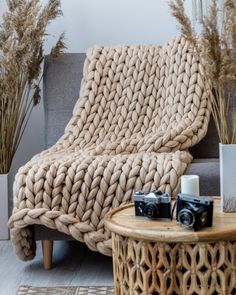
x=124 y=222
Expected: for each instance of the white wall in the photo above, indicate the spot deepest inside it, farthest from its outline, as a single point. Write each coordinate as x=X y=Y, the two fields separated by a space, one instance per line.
x=90 y=22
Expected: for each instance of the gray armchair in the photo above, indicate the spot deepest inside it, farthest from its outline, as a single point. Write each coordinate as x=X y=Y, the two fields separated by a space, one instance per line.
x=61 y=90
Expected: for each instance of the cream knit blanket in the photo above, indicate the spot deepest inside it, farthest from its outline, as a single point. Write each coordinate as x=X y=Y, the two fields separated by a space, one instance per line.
x=140 y=109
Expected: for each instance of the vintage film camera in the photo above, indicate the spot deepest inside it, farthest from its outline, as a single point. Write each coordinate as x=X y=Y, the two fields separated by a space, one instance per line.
x=194 y=212
x=153 y=205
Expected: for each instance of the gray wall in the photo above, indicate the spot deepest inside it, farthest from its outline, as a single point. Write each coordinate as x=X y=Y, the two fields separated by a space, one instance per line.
x=109 y=22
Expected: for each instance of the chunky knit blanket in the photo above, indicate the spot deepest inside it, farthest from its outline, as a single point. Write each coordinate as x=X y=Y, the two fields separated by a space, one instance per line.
x=140 y=109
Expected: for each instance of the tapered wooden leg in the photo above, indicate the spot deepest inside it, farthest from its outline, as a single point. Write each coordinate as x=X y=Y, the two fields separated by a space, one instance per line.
x=47 y=247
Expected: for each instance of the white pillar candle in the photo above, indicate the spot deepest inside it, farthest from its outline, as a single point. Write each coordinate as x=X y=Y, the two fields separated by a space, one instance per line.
x=190 y=184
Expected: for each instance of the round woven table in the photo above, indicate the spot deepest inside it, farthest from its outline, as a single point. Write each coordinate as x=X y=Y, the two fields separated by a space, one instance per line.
x=161 y=257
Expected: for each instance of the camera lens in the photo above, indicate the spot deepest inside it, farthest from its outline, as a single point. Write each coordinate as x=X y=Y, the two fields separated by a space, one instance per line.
x=151 y=210
x=186 y=217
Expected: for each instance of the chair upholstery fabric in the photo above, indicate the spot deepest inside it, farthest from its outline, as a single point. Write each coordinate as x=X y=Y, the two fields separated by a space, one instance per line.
x=140 y=109
x=61 y=87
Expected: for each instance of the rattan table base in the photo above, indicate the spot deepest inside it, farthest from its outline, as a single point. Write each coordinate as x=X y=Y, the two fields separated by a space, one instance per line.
x=159 y=257
x=143 y=267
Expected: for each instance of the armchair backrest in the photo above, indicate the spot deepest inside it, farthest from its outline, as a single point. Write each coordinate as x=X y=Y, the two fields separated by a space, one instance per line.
x=62 y=85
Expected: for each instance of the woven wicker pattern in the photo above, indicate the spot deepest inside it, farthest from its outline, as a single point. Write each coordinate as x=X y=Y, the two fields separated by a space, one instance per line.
x=140 y=108
x=28 y=290
x=143 y=267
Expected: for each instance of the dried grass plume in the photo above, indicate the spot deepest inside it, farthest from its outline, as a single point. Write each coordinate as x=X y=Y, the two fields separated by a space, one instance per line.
x=22 y=36
x=216 y=50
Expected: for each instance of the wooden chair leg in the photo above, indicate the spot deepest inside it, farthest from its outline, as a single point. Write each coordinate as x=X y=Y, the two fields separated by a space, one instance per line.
x=47 y=247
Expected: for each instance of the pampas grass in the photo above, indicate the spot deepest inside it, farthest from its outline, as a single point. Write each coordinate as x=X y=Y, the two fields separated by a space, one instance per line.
x=215 y=48
x=22 y=34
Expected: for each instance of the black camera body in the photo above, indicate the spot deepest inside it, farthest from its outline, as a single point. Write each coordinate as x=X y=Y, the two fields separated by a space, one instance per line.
x=153 y=205
x=194 y=212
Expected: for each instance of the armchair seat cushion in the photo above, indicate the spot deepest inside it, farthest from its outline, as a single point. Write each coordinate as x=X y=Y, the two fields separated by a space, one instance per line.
x=207 y=169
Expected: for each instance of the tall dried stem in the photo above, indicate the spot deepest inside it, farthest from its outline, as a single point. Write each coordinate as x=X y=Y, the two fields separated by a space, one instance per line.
x=215 y=48
x=22 y=36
